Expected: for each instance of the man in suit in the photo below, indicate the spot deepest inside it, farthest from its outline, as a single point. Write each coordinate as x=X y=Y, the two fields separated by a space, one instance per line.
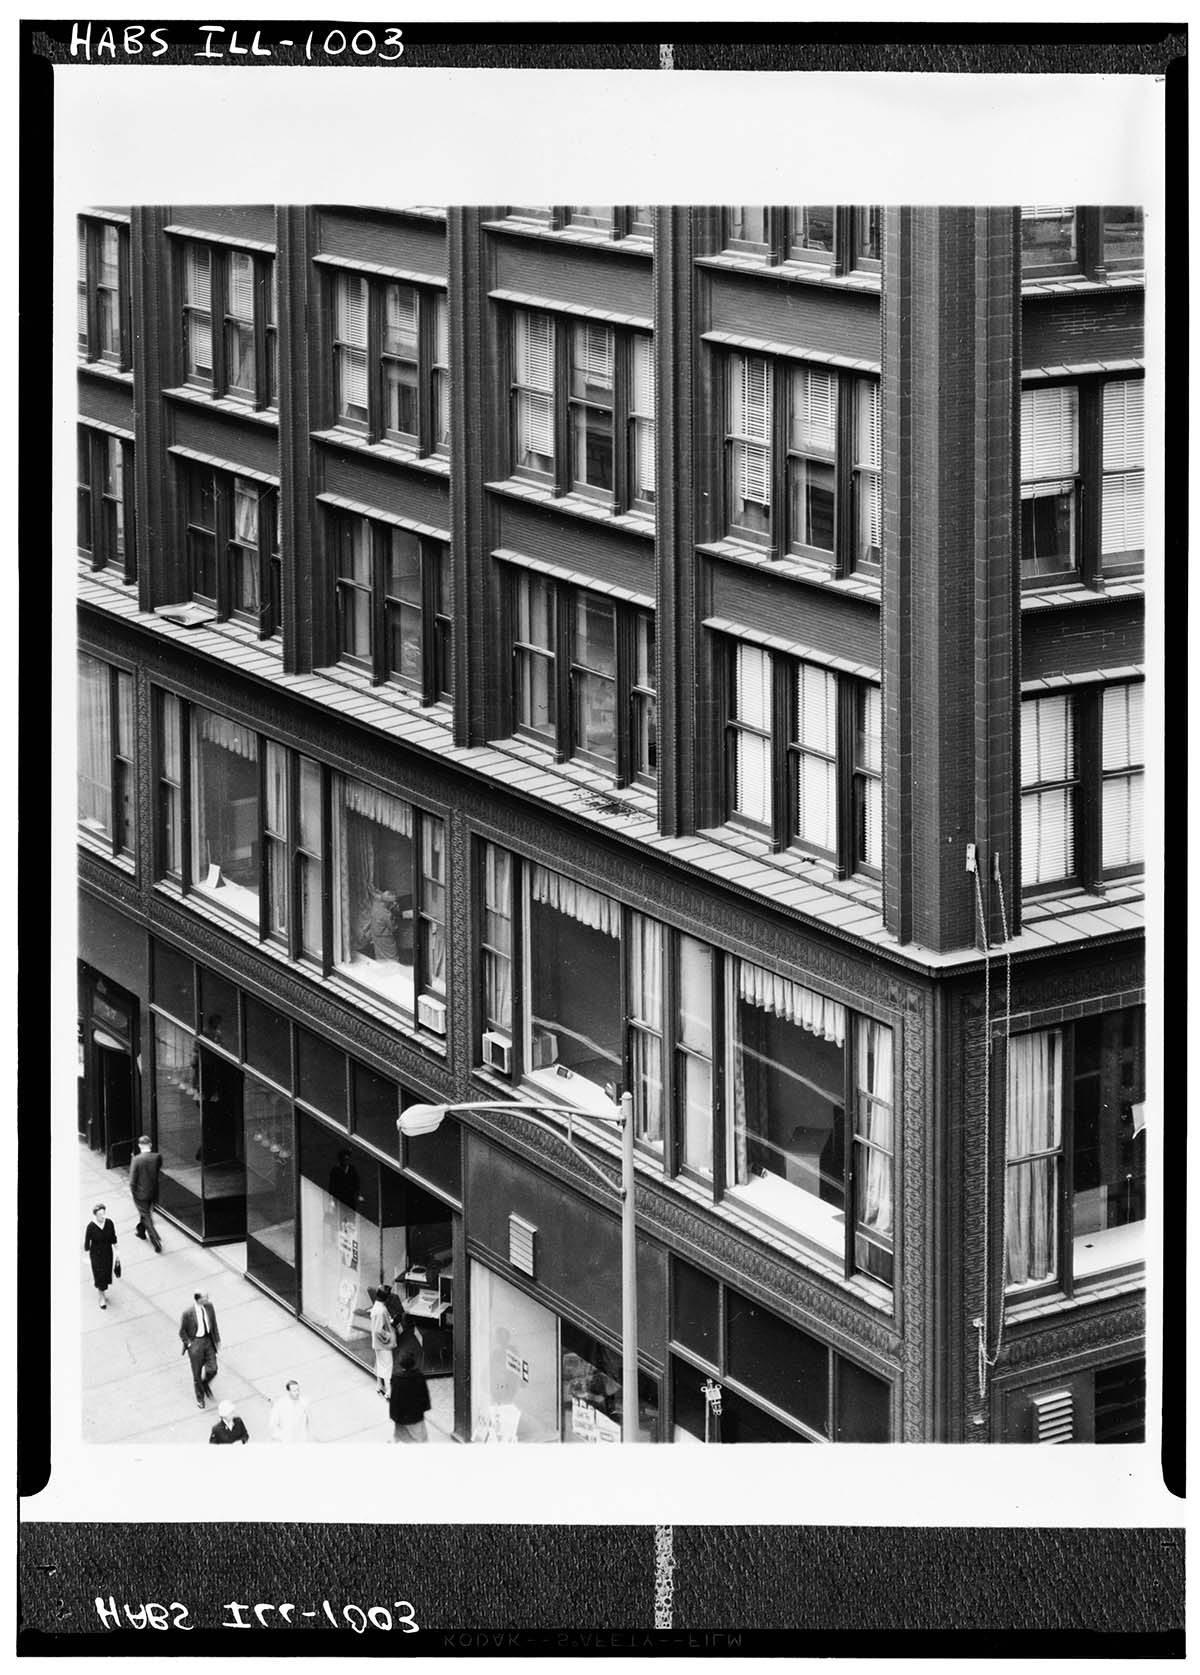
x=201 y=1339
x=143 y=1185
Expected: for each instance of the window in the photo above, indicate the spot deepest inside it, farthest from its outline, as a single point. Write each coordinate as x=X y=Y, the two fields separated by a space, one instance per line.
x=800 y=742
x=293 y=842
x=225 y=814
x=106 y=502
x=614 y=221
x=838 y=237
x=1092 y=738
x=1096 y=241
x=389 y=911
x=232 y=544
x=1082 y=445
x=797 y=1064
x=393 y=604
x=1075 y=1192
x=230 y=343
x=745 y=1081
x=105 y=755
x=171 y=780
x=391 y=358
x=786 y=448
x=584 y=676
x=1049 y=468
x=583 y=400
x=104 y=314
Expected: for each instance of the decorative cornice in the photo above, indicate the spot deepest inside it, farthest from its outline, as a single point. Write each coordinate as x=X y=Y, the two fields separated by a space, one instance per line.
x=104 y=878
x=1094 y=1327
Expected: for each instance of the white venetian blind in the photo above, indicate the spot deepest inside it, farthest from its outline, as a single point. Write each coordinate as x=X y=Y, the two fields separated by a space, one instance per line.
x=241 y=286
x=594 y=352
x=1049 y=438
x=816 y=776
x=1047 y=816
x=1122 y=523
x=751 y=423
x=814 y=415
x=752 y=753
x=535 y=372
x=1122 y=749
x=351 y=329
x=643 y=406
x=197 y=278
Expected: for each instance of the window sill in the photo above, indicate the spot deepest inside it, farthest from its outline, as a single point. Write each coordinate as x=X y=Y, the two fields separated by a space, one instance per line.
x=589 y=238
x=104 y=369
x=267 y=417
x=362 y=696
x=1100 y=1290
x=1068 y=283
x=860 y=897
x=793 y=272
x=99 y=845
x=1071 y=594
x=535 y=771
x=438 y=465
x=858 y=585
x=575 y=506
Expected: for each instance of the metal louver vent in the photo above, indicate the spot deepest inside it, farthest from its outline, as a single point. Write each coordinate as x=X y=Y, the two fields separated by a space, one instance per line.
x=1054 y=1417
x=520 y=1244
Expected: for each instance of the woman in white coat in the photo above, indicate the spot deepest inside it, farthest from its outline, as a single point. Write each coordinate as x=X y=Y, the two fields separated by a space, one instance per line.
x=383 y=1339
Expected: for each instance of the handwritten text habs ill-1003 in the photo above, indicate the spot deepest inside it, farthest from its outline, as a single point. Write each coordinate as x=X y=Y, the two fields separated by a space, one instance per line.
x=400 y=1615
x=101 y=43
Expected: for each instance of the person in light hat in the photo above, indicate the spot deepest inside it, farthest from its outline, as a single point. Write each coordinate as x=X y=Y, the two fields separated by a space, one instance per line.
x=229 y=1428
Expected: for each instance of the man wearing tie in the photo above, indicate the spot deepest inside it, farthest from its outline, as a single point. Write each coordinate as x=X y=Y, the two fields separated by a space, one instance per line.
x=201 y=1339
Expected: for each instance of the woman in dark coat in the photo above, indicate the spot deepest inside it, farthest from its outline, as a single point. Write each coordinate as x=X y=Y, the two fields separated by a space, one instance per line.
x=98 y=1241
x=408 y=1401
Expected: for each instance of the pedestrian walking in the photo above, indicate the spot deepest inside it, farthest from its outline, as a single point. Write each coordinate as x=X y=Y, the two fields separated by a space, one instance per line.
x=409 y=1400
x=383 y=1339
x=201 y=1339
x=144 y=1172
x=289 y=1416
x=229 y=1428
x=99 y=1241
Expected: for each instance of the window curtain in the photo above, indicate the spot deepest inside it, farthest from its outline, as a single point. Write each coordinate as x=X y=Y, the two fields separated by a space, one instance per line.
x=94 y=745
x=576 y=901
x=245 y=512
x=378 y=806
x=646 y=1019
x=875 y=1207
x=1033 y=1126
x=219 y=730
x=643 y=405
x=497 y=896
x=793 y=1002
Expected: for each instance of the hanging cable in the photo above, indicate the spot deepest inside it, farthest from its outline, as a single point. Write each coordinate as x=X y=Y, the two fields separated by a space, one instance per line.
x=982 y=1325
x=989 y=1359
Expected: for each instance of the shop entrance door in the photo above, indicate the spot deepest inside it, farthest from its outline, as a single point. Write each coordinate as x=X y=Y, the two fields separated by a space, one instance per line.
x=114 y=1077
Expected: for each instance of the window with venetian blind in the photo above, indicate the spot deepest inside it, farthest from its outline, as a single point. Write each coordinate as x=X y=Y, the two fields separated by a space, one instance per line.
x=106 y=526
x=230 y=343
x=803 y=461
x=392 y=591
x=1048 y=790
x=105 y=755
x=391 y=362
x=231 y=525
x=1122 y=520
x=803 y=757
x=1049 y=471
x=582 y=414
x=1122 y=771
x=104 y=323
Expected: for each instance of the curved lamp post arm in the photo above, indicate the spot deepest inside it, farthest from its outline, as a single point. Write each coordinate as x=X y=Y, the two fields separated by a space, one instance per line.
x=420 y=1119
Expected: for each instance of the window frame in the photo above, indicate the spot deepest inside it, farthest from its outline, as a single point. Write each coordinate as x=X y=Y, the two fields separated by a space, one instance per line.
x=93 y=443
x=623 y=223
x=121 y=765
x=781 y=381
x=564 y=670
x=780 y=247
x=264 y=323
x=783 y=752
x=435 y=605
x=629 y=423
x=1065 y=1282
x=1089 y=260
x=432 y=367
x=92 y=229
x=226 y=544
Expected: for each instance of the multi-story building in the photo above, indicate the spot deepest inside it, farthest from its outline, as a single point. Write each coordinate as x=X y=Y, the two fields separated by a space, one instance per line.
x=542 y=652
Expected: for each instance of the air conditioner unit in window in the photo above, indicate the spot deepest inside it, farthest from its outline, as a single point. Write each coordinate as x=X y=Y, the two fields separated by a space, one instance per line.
x=543 y=1049
x=431 y=1014
x=497 y=1052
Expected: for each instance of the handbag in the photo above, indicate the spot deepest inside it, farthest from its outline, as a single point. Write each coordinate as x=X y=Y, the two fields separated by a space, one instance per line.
x=116 y=1268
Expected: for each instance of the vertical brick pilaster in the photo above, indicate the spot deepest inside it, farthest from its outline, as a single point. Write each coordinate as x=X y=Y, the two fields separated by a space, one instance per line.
x=161 y=569
x=674 y=335
x=303 y=608
x=475 y=590
x=950 y=622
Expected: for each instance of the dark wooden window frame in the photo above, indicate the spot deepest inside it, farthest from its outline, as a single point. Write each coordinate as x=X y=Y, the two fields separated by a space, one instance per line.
x=1090 y=262
x=92 y=226
x=436 y=623
x=265 y=330
x=424 y=443
x=781 y=245
x=93 y=442
x=122 y=768
x=267 y=618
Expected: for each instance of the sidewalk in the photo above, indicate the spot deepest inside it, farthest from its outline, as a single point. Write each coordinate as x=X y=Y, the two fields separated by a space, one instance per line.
x=137 y=1386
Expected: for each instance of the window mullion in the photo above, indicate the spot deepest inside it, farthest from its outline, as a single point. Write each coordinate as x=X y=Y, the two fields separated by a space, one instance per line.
x=622 y=439
x=425 y=351
x=218 y=308
x=326 y=870
x=1089 y=482
x=374 y=362
x=564 y=627
x=114 y=757
x=261 y=289
x=777 y=459
x=562 y=413
x=849 y=1143
x=844 y=776
x=776 y=234
x=185 y=795
x=428 y=619
x=844 y=496
x=843 y=238
x=623 y=695
x=129 y=509
x=782 y=678
x=92 y=268
x=1066 y=1172
x=264 y=860
x=291 y=807
x=378 y=539
x=123 y=321
x=95 y=454
x=1088 y=799
x=267 y=514
x=222 y=495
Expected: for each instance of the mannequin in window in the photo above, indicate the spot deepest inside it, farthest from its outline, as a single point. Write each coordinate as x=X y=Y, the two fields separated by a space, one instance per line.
x=343 y=1180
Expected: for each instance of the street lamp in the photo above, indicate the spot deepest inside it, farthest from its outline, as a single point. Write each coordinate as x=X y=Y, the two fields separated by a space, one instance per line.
x=424 y=1119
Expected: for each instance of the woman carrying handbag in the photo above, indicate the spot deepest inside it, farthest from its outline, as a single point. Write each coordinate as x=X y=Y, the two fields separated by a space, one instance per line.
x=99 y=1241
x=383 y=1339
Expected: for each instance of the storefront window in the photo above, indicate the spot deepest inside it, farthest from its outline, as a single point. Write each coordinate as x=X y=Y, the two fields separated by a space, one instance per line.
x=218 y=1010
x=592 y=1392
x=787 y=1075
x=376 y=1107
x=695 y=1310
x=177 y=1106
x=784 y=1365
x=373 y=906
x=268 y=1041
x=514 y=1363
x=437 y=1158
x=225 y=813
x=174 y=983
x=270 y=1190
x=321 y=1075
x=198 y=1104
x=574 y=976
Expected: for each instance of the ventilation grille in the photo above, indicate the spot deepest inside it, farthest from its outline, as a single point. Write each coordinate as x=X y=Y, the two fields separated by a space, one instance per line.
x=1054 y=1417
x=520 y=1244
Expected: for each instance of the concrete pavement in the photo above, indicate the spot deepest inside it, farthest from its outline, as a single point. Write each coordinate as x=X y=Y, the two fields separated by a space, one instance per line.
x=137 y=1385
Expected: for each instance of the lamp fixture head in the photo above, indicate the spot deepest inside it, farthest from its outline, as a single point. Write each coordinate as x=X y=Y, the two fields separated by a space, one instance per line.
x=420 y=1119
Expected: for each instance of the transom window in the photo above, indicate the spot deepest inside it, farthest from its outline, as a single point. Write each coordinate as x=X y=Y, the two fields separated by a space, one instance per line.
x=804 y=757
x=393 y=603
x=232 y=544
x=391 y=362
x=229 y=322
x=583 y=399
x=803 y=461
x=105 y=498
x=104 y=313
x=584 y=676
